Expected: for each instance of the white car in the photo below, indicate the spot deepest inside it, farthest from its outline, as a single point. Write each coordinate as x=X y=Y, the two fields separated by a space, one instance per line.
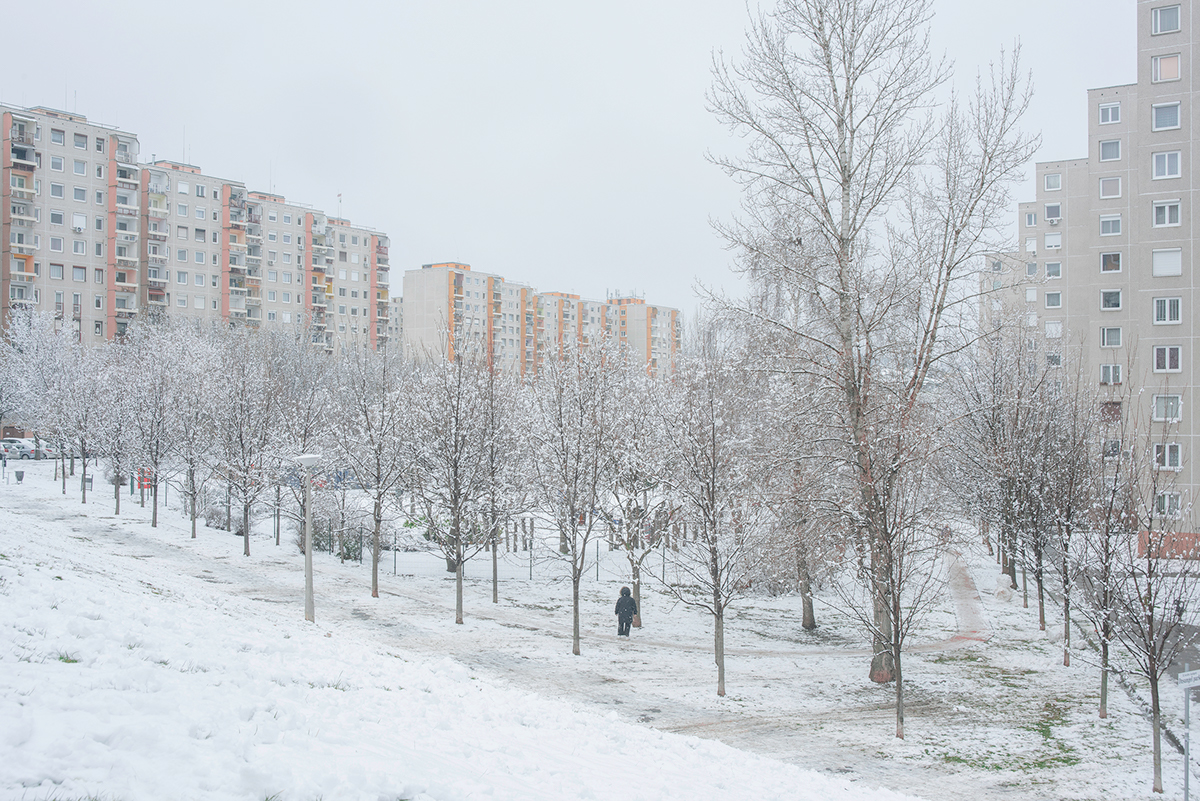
x=18 y=448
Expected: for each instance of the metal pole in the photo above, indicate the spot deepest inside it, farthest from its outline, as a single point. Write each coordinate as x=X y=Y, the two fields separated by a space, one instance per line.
x=308 y=571
x=1187 y=735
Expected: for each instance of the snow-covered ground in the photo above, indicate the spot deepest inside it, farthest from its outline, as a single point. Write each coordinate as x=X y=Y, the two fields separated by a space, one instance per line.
x=136 y=663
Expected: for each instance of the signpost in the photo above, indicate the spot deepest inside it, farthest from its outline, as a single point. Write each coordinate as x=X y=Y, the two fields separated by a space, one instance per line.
x=1187 y=680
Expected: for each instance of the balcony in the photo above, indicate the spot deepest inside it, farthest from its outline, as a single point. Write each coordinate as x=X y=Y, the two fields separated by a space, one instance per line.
x=237 y=286
x=127 y=261
x=253 y=300
x=20 y=137
x=75 y=311
x=126 y=183
x=156 y=261
x=159 y=212
x=156 y=281
x=254 y=217
x=126 y=285
x=156 y=235
x=22 y=195
x=124 y=157
x=129 y=211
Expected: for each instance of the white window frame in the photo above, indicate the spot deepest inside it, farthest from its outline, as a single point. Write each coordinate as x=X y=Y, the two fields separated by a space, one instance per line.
x=1110 y=374
x=1176 y=268
x=1111 y=143
x=1154 y=408
x=1166 y=352
x=1113 y=222
x=1168 y=504
x=1164 y=159
x=1054 y=269
x=1168 y=311
x=1053 y=300
x=1156 y=28
x=1165 y=206
x=1110 y=108
x=1054 y=237
x=1107 y=293
x=1052 y=181
x=1112 y=180
x=1030 y=219
x=1154 y=116
x=1167 y=456
x=1156 y=68
x=1110 y=336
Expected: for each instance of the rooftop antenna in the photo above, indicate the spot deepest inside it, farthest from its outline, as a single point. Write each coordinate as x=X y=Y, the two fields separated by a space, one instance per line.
x=339 y=205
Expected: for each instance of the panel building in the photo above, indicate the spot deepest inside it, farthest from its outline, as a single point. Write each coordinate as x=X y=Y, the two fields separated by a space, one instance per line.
x=100 y=239
x=1107 y=260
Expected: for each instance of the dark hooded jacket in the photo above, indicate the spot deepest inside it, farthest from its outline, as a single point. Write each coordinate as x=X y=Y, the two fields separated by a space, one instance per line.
x=626 y=606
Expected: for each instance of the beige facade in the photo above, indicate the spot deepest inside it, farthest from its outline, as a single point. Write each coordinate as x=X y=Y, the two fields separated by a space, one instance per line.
x=1106 y=260
x=449 y=307
x=70 y=219
x=100 y=239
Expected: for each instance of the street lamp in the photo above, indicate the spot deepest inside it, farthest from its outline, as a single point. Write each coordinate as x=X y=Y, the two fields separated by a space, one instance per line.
x=308 y=461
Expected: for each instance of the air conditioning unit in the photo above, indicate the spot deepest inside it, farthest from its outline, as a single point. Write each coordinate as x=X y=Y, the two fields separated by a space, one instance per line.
x=1053 y=220
x=270 y=262
x=77 y=230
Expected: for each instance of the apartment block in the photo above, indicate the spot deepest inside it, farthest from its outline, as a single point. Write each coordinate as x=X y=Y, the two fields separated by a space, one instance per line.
x=70 y=219
x=99 y=238
x=448 y=307
x=1106 y=263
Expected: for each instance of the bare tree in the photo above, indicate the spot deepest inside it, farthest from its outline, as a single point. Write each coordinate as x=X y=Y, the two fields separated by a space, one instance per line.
x=573 y=426
x=833 y=100
x=371 y=394
x=715 y=471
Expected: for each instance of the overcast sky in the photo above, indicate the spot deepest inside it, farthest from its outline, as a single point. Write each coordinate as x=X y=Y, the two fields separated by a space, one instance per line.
x=561 y=144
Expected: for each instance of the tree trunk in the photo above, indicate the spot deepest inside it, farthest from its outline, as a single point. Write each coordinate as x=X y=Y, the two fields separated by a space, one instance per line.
x=192 y=495
x=1041 y=592
x=1156 y=719
x=1103 y=676
x=882 y=669
x=246 y=528
x=636 y=569
x=377 y=514
x=804 y=584
x=83 y=481
x=899 y=690
x=458 y=589
x=64 y=473
x=576 y=576
x=278 y=501
x=495 y=565
x=719 y=649
x=1066 y=602
x=228 y=507
x=117 y=494
x=154 y=505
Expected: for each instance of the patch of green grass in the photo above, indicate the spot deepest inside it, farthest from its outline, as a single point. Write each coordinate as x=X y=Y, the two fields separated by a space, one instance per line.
x=67 y=658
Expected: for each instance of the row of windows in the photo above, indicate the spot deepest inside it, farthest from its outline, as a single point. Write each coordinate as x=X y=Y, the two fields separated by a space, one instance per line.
x=1166 y=359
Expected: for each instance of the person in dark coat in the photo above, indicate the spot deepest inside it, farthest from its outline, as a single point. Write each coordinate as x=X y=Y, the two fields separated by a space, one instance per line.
x=626 y=609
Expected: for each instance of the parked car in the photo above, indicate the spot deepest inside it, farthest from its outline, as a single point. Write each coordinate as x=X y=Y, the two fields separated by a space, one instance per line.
x=18 y=448
x=44 y=451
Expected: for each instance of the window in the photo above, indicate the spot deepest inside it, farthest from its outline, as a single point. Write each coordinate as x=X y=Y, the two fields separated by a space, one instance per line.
x=1110 y=113
x=1110 y=449
x=1167 y=408
x=272 y=236
x=1164 y=20
x=287 y=278
x=200 y=235
x=79 y=274
x=272 y=216
x=1167 y=311
x=99 y=198
x=1053 y=211
x=181 y=255
x=1053 y=181
x=1110 y=224
x=1110 y=374
x=98 y=328
x=271 y=316
x=181 y=232
x=271 y=295
x=79 y=247
x=272 y=275
x=1110 y=187
x=1166 y=455
x=1165 y=117
x=200 y=192
x=198 y=302
x=1166 y=165
x=1110 y=150
x=1053 y=300
x=181 y=301
x=56 y=271
x=79 y=167
x=1053 y=240
x=1164 y=68
x=1110 y=337
x=81 y=141
x=1167 y=261
x=341 y=291
x=1054 y=329
x=181 y=277
x=1110 y=412
x=1166 y=504
x=287 y=297
x=99 y=170
x=57 y=190
x=1030 y=295
x=1166 y=213
x=341 y=309
x=1167 y=358
x=56 y=163
x=57 y=137
x=287 y=238
x=287 y=218
x=1054 y=360
x=198 y=257
x=183 y=187
x=1110 y=299
x=1030 y=247
x=1054 y=269
x=99 y=145
x=181 y=209
x=80 y=194
x=1030 y=219
x=56 y=217
x=201 y=213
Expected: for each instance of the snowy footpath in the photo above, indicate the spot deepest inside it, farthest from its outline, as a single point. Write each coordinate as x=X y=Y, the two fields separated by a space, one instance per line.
x=136 y=663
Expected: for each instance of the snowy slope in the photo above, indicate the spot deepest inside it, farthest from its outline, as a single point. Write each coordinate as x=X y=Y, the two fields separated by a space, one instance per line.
x=139 y=664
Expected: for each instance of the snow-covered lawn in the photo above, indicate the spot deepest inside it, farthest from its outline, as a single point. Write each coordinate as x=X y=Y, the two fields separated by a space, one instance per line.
x=136 y=663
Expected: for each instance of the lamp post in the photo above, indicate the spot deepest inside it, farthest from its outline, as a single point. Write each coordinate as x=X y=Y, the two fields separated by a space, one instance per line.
x=308 y=461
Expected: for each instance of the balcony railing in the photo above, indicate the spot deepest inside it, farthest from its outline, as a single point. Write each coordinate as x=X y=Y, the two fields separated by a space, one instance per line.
x=124 y=157
x=21 y=137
